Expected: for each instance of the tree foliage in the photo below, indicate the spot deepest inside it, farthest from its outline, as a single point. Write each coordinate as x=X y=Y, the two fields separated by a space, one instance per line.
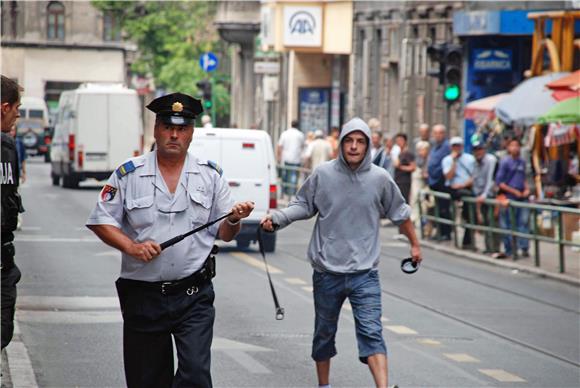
x=171 y=36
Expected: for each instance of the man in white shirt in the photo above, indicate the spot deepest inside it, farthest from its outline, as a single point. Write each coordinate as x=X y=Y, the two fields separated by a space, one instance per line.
x=319 y=151
x=288 y=154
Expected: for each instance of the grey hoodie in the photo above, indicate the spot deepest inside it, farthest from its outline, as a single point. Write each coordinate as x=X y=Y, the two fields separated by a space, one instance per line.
x=349 y=205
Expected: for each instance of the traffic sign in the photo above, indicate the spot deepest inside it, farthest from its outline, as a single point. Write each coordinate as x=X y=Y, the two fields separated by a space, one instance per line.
x=208 y=62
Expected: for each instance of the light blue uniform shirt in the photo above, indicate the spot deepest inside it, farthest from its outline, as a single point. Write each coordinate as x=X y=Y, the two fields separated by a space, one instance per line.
x=139 y=203
x=463 y=170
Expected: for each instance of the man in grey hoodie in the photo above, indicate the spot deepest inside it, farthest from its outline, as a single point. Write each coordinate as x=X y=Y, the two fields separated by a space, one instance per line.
x=349 y=195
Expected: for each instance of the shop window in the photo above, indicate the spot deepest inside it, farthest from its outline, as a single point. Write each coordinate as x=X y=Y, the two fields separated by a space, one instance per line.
x=55 y=22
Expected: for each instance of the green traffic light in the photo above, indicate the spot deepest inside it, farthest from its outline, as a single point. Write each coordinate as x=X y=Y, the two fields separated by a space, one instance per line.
x=207 y=104
x=451 y=92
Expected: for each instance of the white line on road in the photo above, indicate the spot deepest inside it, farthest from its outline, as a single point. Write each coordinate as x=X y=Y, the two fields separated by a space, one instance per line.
x=429 y=342
x=30 y=228
x=238 y=352
x=295 y=281
x=37 y=302
x=308 y=288
x=248 y=362
x=21 y=372
x=69 y=317
x=460 y=357
x=255 y=262
x=502 y=376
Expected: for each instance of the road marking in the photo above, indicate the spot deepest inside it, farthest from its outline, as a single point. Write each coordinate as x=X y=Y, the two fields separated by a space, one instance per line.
x=295 y=281
x=47 y=239
x=394 y=245
x=69 y=317
x=460 y=357
x=255 y=262
x=55 y=303
x=21 y=372
x=401 y=330
x=502 y=376
x=429 y=342
x=308 y=288
x=30 y=228
x=383 y=319
x=238 y=352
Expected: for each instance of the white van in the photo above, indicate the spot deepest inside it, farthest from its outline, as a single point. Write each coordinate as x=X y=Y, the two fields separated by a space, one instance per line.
x=97 y=128
x=32 y=126
x=247 y=159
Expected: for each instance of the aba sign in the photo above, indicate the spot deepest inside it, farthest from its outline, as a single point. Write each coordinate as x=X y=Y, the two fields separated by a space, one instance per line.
x=492 y=60
x=302 y=26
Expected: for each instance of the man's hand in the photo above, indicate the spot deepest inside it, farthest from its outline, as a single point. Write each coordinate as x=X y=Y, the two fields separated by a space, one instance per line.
x=525 y=193
x=416 y=254
x=480 y=199
x=241 y=210
x=267 y=224
x=145 y=251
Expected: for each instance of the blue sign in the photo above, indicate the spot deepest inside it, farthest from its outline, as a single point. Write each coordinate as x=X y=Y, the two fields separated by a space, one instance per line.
x=208 y=62
x=492 y=60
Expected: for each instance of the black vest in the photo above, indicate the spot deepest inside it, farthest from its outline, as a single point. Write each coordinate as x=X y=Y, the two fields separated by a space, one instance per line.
x=9 y=178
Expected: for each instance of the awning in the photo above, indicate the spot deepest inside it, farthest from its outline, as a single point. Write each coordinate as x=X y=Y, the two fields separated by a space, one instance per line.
x=483 y=109
x=566 y=87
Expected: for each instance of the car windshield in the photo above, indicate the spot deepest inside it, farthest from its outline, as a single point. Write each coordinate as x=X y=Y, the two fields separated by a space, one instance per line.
x=35 y=114
x=26 y=124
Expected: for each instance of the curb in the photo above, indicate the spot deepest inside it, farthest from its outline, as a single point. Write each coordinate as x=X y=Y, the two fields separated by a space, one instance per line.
x=506 y=264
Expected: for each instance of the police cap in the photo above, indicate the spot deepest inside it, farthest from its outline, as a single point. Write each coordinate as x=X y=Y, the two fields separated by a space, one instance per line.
x=176 y=108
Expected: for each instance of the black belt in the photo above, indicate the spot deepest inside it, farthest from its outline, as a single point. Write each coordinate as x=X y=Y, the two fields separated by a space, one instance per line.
x=191 y=284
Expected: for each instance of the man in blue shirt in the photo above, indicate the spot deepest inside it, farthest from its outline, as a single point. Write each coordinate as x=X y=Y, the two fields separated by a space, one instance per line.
x=511 y=181
x=458 y=170
x=436 y=179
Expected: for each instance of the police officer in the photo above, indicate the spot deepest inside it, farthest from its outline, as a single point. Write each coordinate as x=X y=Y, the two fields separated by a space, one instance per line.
x=148 y=200
x=11 y=204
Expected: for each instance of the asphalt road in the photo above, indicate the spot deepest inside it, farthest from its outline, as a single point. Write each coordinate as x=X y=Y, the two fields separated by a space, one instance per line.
x=455 y=323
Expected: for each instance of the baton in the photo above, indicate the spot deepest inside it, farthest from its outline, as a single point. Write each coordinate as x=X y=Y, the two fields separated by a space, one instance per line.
x=279 y=310
x=177 y=239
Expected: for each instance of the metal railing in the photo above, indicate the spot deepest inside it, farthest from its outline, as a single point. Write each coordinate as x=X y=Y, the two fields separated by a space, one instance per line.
x=300 y=171
x=534 y=208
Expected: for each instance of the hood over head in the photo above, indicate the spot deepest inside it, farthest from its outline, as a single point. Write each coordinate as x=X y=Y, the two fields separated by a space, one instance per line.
x=356 y=124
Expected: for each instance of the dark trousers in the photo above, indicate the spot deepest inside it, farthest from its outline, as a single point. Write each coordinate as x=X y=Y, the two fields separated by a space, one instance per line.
x=444 y=208
x=492 y=240
x=468 y=233
x=10 y=276
x=150 y=319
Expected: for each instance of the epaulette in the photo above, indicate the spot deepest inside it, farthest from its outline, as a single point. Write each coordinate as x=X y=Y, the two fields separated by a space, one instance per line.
x=125 y=169
x=215 y=166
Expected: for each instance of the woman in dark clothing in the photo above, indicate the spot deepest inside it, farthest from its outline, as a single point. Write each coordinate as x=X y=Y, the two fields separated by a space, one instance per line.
x=404 y=166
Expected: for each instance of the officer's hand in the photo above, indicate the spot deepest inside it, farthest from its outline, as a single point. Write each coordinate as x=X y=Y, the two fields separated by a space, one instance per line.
x=267 y=223
x=416 y=254
x=145 y=251
x=241 y=210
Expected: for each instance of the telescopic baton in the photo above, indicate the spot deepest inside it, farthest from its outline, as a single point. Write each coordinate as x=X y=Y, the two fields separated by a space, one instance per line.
x=177 y=239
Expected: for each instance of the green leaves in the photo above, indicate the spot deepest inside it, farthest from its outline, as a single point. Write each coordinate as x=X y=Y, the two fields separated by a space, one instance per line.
x=171 y=36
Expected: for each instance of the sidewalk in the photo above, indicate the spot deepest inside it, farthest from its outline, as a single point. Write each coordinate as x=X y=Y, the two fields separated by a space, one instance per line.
x=549 y=258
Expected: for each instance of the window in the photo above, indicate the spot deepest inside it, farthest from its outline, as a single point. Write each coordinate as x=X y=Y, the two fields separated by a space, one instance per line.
x=111 y=30
x=55 y=23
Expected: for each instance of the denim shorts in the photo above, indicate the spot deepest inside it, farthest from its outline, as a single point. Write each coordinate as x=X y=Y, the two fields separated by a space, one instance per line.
x=364 y=293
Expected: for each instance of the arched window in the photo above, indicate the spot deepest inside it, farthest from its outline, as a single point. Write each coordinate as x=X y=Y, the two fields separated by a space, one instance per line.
x=55 y=23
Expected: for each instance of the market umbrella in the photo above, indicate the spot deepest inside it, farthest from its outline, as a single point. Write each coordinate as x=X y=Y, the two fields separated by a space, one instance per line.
x=527 y=101
x=566 y=87
x=565 y=112
x=484 y=108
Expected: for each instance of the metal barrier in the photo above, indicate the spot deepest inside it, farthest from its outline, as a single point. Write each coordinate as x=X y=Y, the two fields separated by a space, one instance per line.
x=534 y=208
x=283 y=169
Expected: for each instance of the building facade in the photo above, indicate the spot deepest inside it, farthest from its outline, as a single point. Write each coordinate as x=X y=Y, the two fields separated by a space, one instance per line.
x=52 y=46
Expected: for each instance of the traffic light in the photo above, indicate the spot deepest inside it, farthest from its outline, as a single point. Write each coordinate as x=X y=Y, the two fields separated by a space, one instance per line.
x=453 y=62
x=204 y=87
x=437 y=53
x=449 y=58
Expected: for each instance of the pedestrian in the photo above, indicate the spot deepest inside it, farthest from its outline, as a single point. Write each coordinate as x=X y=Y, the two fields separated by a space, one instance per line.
x=483 y=188
x=404 y=166
x=383 y=157
x=348 y=195
x=147 y=200
x=11 y=204
x=511 y=182
x=206 y=122
x=419 y=183
x=21 y=153
x=376 y=144
x=289 y=153
x=333 y=140
x=424 y=136
x=458 y=170
x=318 y=152
x=439 y=150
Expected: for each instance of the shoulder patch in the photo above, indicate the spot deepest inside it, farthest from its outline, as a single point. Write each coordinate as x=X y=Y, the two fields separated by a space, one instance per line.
x=215 y=166
x=125 y=169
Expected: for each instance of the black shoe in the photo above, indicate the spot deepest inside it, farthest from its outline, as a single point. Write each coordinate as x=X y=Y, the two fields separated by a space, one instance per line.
x=525 y=253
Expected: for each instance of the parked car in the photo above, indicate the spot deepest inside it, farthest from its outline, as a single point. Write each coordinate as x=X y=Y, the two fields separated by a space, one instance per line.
x=247 y=159
x=98 y=126
x=33 y=127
